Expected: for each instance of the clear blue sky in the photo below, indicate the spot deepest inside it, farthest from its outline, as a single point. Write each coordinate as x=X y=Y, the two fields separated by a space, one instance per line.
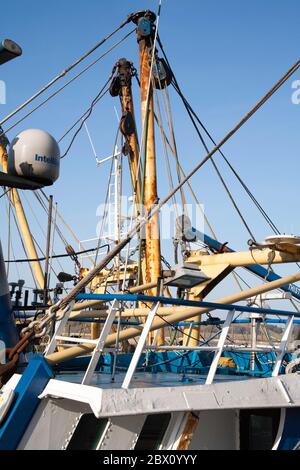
x=225 y=55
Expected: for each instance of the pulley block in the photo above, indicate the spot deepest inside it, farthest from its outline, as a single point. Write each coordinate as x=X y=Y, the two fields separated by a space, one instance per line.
x=127 y=126
x=162 y=74
x=115 y=86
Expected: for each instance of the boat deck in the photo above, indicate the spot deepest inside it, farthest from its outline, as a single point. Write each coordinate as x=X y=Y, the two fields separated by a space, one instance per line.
x=146 y=379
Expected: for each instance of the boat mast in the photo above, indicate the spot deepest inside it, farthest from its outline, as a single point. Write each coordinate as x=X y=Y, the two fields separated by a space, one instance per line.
x=122 y=86
x=9 y=50
x=24 y=226
x=152 y=261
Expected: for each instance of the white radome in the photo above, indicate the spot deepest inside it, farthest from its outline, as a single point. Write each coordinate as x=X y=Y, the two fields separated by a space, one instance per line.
x=35 y=155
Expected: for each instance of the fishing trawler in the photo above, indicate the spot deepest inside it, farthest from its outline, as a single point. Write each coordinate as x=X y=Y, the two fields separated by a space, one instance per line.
x=133 y=356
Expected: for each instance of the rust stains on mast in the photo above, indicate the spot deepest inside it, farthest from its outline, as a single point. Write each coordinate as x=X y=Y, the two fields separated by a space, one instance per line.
x=122 y=86
x=152 y=245
x=152 y=261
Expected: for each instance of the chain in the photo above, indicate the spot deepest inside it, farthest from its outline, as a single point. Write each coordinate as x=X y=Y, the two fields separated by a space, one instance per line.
x=103 y=280
x=38 y=328
x=165 y=262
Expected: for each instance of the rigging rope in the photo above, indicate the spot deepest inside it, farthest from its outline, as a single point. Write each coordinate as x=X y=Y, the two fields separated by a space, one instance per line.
x=67 y=227
x=167 y=108
x=171 y=127
x=63 y=239
x=68 y=82
x=156 y=207
x=187 y=105
x=243 y=184
x=5 y=192
x=37 y=221
x=53 y=224
x=219 y=173
x=67 y=70
x=168 y=167
x=65 y=255
x=128 y=246
x=228 y=136
x=105 y=213
x=88 y=113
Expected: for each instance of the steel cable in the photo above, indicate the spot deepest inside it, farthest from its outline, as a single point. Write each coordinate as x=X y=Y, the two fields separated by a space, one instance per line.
x=65 y=71
x=68 y=82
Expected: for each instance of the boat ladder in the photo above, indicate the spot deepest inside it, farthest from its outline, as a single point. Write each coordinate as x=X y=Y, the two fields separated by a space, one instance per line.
x=99 y=343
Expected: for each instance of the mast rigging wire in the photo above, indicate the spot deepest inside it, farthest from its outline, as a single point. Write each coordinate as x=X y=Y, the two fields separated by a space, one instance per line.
x=174 y=153
x=5 y=192
x=143 y=147
x=64 y=72
x=230 y=134
x=165 y=152
x=53 y=223
x=88 y=113
x=222 y=179
x=63 y=239
x=105 y=213
x=80 y=119
x=243 y=184
x=37 y=221
x=156 y=207
x=173 y=149
x=67 y=227
x=191 y=111
x=65 y=255
x=69 y=82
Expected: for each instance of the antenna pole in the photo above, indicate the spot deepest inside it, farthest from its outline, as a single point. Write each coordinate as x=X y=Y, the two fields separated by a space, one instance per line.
x=46 y=275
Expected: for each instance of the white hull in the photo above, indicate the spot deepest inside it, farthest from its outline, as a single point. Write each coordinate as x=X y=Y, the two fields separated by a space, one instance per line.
x=218 y=412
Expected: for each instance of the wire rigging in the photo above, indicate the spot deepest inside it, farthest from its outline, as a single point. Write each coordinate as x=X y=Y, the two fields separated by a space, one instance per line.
x=88 y=113
x=64 y=223
x=173 y=149
x=65 y=71
x=105 y=213
x=191 y=113
x=69 y=82
x=4 y=193
x=45 y=208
